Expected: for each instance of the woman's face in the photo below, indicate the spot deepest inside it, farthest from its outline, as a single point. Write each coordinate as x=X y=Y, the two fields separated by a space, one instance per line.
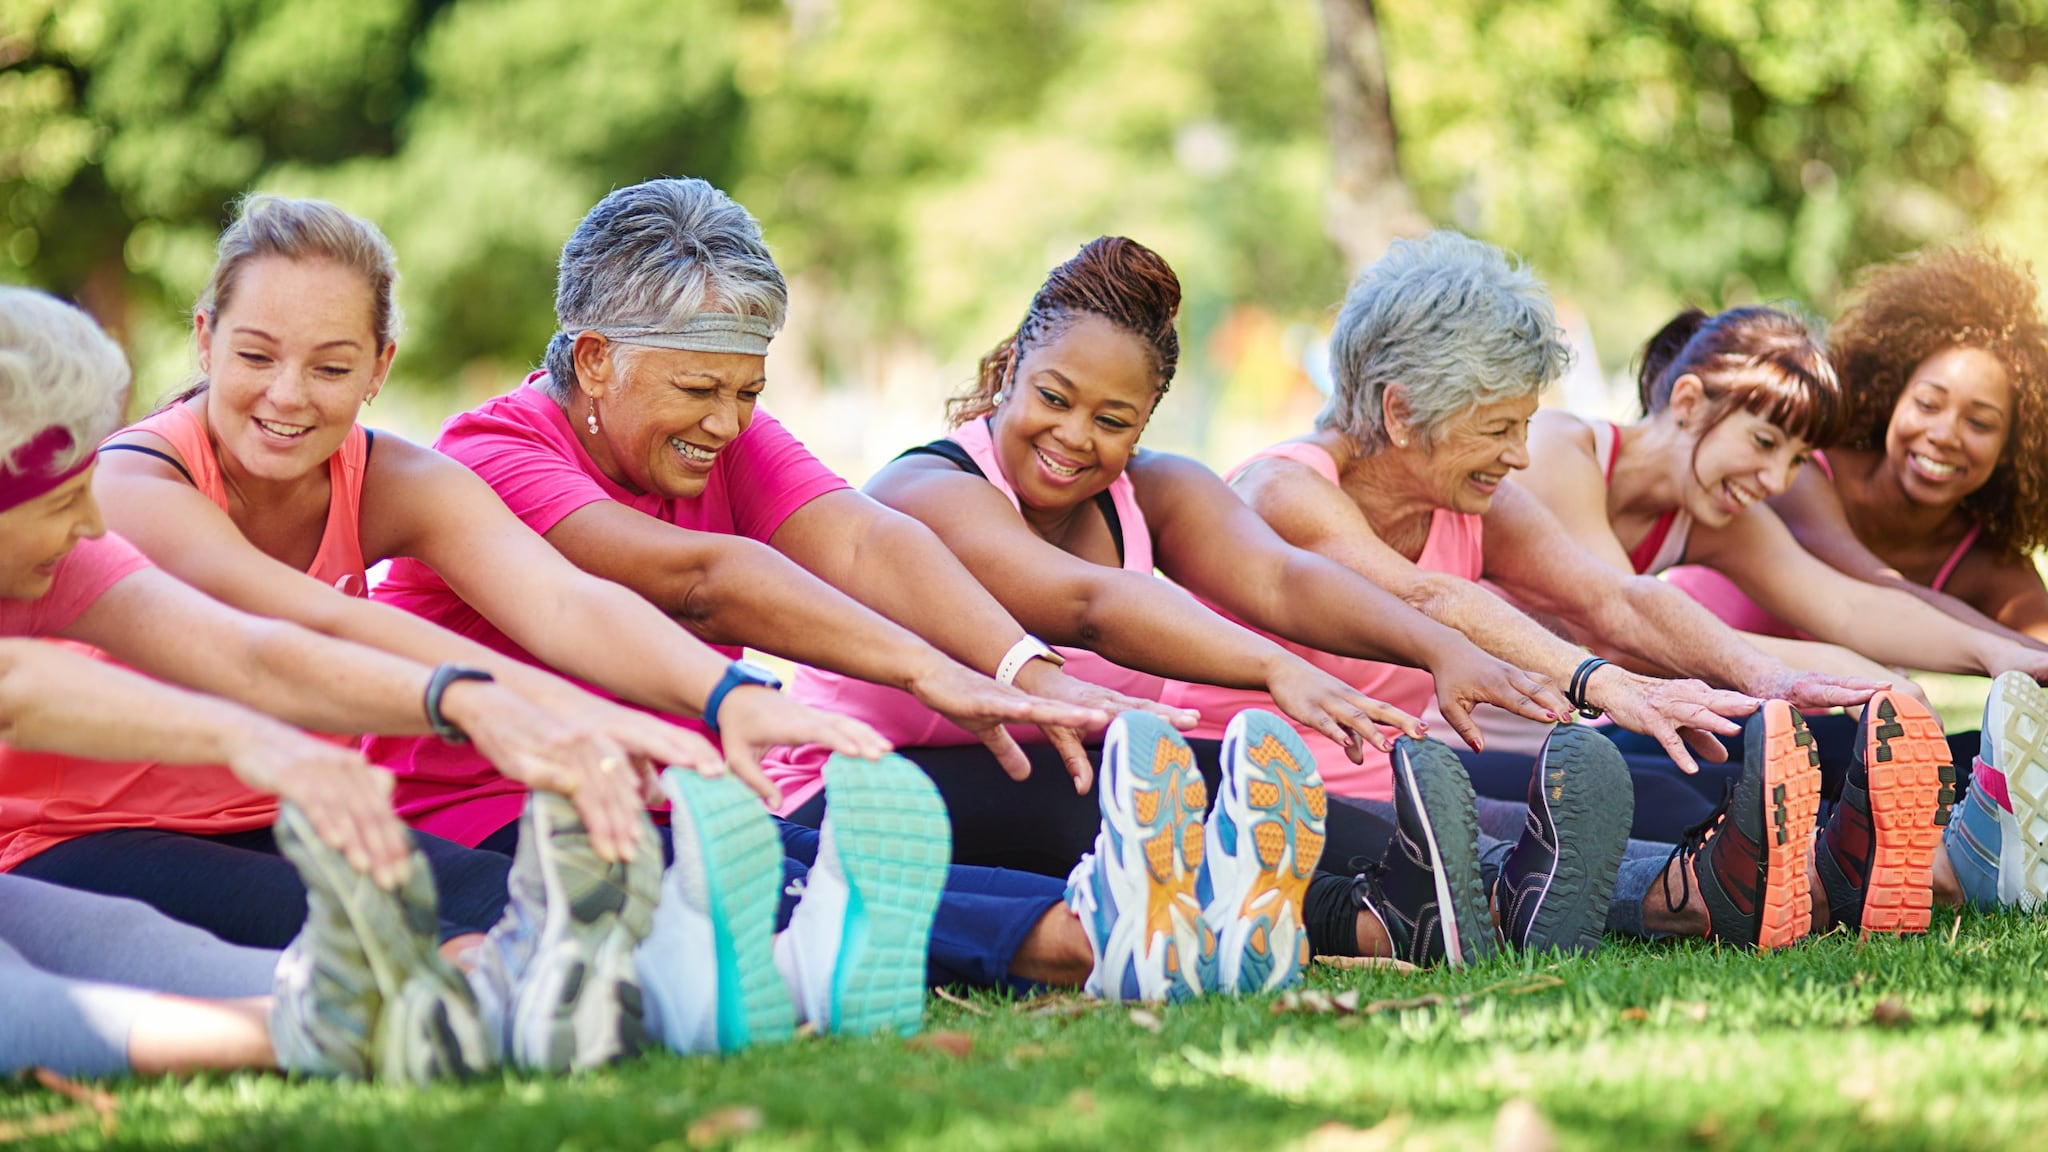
x=1949 y=429
x=289 y=363
x=1072 y=413
x=664 y=415
x=34 y=536
x=1472 y=453
x=1739 y=461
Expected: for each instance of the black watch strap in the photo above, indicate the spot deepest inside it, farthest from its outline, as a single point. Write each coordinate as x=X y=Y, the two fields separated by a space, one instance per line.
x=437 y=686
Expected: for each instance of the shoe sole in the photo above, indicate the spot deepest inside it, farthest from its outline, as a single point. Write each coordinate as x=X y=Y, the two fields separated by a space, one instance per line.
x=1591 y=802
x=895 y=846
x=580 y=1005
x=742 y=857
x=1163 y=800
x=1283 y=809
x=1906 y=760
x=2023 y=746
x=426 y=1027
x=1435 y=776
x=1791 y=801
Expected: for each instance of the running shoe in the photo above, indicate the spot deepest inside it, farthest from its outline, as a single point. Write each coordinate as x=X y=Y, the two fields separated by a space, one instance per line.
x=1135 y=893
x=707 y=967
x=856 y=944
x=1426 y=890
x=362 y=990
x=1999 y=844
x=565 y=946
x=1758 y=844
x=1556 y=881
x=1263 y=840
x=1875 y=855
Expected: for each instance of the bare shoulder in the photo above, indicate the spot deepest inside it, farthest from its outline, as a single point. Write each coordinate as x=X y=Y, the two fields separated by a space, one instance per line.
x=1556 y=430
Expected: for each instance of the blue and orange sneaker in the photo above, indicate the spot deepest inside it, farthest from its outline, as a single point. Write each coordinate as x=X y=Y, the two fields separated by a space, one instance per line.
x=1135 y=892
x=1758 y=844
x=1875 y=856
x=1555 y=883
x=1264 y=838
x=1998 y=841
x=1426 y=891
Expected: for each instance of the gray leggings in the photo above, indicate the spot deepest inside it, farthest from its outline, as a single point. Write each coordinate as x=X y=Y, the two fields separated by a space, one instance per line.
x=1500 y=824
x=78 y=968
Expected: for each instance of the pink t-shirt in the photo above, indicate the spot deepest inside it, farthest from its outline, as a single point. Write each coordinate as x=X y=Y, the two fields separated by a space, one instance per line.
x=83 y=576
x=1453 y=547
x=896 y=714
x=524 y=448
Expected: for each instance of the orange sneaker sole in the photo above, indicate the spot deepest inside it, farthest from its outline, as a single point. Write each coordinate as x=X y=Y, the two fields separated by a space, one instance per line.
x=1905 y=755
x=1791 y=778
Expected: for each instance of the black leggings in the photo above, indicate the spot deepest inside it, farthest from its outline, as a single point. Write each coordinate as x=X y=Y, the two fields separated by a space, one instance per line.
x=1040 y=824
x=238 y=887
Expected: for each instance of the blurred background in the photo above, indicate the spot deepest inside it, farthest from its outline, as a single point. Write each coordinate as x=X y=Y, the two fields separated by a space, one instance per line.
x=919 y=164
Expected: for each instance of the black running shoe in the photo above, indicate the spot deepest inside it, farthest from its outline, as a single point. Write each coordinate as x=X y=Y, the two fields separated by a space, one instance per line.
x=1554 y=887
x=1757 y=844
x=1426 y=890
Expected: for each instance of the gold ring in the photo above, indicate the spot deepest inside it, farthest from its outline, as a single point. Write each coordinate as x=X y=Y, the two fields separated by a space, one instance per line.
x=610 y=764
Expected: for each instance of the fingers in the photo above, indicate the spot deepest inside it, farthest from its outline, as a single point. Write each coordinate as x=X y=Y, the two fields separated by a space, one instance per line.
x=1075 y=756
x=1383 y=713
x=744 y=764
x=851 y=737
x=1009 y=756
x=1674 y=747
x=1460 y=719
x=1709 y=748
x=1544 y=695
x=1183 y=719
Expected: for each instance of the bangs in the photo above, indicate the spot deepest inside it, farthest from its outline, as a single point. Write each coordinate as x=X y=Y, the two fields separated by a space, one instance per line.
x=1803 y=399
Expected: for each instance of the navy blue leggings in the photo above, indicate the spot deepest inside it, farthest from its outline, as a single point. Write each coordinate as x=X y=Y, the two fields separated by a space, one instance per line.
x=238 y=887
x=984 y=913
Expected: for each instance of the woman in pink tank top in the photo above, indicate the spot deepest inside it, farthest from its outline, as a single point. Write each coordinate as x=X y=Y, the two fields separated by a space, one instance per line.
x=1734 y=405
x=1940 y=489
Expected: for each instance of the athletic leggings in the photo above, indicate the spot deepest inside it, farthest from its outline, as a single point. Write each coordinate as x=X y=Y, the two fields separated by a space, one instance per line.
x=240 y=888
x=1040 y=824
x=77 y=969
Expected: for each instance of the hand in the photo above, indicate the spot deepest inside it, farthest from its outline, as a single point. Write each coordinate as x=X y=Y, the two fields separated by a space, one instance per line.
x=1314 y=698
x=2011 y=657
x=345 y=796
x=982 y=706
x=1042 y=678
x=754 y=718
x=1810 y=690
x=1468 y=676
x=1675 y=712
x=569 y=744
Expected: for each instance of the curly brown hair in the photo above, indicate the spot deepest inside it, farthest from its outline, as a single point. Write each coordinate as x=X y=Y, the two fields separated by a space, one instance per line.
x=1969 y=296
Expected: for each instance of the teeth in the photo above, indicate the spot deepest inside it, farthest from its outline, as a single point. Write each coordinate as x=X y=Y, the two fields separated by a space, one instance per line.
x=276 y=429
x=1055 y=469
x=1933 y=467
x=691 y=451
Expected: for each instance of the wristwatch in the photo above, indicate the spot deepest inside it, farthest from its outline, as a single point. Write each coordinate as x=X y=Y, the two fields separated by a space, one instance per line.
x=738 y=674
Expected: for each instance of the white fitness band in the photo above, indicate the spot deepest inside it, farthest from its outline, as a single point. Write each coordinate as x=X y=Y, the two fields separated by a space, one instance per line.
x=1023 y=652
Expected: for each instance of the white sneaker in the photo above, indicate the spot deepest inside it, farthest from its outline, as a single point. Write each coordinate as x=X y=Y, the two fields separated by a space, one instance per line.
x=1264 y=838
x=362 y=989
x=2016 y=750
x=855 y=948
x=707 y=967
x=1135 y=893
x=565 y=944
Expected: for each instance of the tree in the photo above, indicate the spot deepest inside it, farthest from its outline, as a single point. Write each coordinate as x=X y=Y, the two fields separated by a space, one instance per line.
x=1369 y=201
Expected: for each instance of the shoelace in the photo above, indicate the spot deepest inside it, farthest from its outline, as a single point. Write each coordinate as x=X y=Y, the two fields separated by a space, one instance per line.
x=1688 y=849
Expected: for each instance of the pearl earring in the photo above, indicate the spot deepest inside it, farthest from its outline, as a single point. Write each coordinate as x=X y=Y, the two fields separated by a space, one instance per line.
x=591 y=419
x=997 y=399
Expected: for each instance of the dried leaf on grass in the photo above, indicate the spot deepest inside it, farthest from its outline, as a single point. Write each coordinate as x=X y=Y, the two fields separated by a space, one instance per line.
x=721 y=1125
x=1146 y=1019
x=1519 y=1127
x=1383 y=963
x=1315 y=1002
x=1064 y=1006
x=1336 y=1137
x=1634 y=1015
x=97 y=1106
x=1890 y=1013
x=960 y=1002
x=957 y=1044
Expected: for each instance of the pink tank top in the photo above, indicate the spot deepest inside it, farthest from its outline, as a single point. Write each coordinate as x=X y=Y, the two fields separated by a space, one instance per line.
x=1453 y=547
x=1721 y=597
x=56 y=798
x=1665 y=545
x=897 y=715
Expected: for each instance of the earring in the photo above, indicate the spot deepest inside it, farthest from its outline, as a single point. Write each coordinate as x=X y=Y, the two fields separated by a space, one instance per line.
x=998 y=398
x=591 y=419
x=1681 y=423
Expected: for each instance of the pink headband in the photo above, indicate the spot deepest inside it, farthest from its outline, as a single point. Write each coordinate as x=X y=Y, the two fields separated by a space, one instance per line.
x=32 y=472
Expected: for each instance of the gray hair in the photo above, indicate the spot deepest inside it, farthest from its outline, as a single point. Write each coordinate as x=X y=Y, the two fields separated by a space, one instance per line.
x=654 y=256
x=57 y=369
x=1454 y=321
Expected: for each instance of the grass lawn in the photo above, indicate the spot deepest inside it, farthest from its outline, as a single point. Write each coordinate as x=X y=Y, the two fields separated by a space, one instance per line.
x=1938 y=1041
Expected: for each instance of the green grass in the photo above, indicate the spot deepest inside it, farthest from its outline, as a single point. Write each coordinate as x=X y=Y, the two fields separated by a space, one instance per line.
x=1641 y=1047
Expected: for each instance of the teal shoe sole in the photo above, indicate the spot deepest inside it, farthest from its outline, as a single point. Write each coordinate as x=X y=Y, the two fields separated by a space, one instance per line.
x=894 y=844
x=742 y=858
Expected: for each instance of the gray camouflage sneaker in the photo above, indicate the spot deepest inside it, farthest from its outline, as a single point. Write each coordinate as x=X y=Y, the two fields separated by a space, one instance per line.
x=362 y=990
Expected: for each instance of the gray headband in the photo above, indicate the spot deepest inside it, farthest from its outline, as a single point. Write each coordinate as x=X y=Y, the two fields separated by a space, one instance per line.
x=705 y=332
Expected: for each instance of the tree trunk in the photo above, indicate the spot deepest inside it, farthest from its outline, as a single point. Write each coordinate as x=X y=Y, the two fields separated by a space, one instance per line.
x=1369 y=204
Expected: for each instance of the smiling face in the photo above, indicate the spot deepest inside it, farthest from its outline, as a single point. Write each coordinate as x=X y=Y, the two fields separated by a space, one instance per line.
x=289 y=362
x=1949 y=429
x=1465 y=462
x=36 y=535
x=1740 y=460
x=1072 y=413
x=664 y=415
